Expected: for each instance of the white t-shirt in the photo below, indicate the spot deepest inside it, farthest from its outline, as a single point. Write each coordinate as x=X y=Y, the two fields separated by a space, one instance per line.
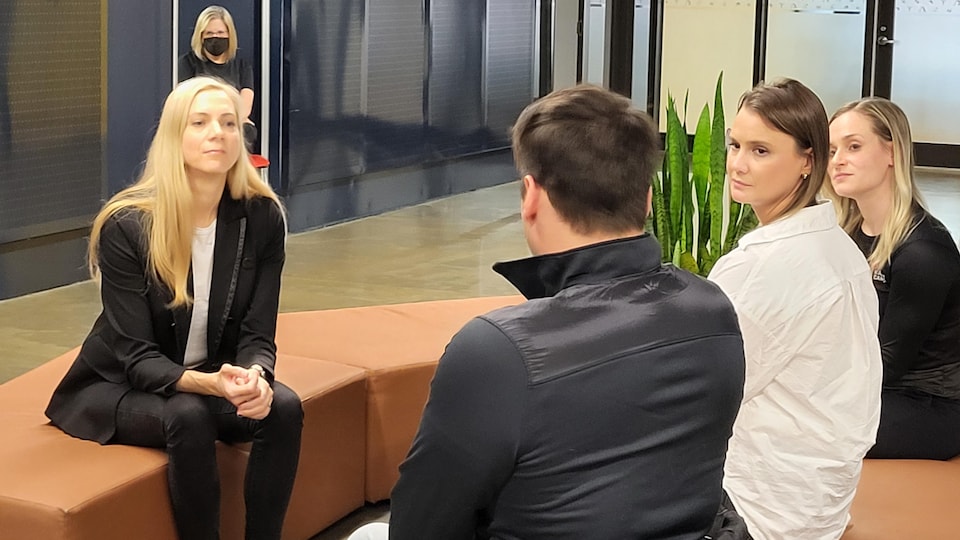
x=202 y=258
x=811 y=403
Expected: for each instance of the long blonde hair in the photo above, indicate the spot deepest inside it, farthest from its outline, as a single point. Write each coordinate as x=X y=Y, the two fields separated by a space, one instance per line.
x=163 y=198
x=890 y=124
x=212 y=13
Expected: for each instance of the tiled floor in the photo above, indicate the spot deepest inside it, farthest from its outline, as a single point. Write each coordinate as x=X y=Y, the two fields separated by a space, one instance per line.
x=440 y=249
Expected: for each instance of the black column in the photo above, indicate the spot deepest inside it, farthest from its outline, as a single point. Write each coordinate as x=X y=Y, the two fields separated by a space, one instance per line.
x=621 y=45
x=546 y=48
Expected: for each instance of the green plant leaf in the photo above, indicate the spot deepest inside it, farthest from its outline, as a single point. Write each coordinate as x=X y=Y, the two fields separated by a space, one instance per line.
x=748 y=222
x=667 y=223
x=701 y=179
x=685 y=234
x=661 y=221
x=676 y=156
x=688 y=263
x=691 y=184
x=736 y=216
x=706 y=264
x=718 y=170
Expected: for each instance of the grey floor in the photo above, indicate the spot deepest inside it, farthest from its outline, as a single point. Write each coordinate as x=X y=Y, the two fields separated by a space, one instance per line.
x=437 y=250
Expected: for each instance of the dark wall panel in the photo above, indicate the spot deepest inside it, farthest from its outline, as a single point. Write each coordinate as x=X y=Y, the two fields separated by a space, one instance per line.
x=51 y=96
x=81 y=86
x=49 y=261
x=324 y=94
x=351 y=198
x=389 y=97
x=139 y=77
x=456 y=77
x=393 y=126
x=510 y=57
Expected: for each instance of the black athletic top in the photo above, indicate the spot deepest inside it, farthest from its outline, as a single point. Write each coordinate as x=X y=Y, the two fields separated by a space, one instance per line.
x=919 y=293
x=236 y=72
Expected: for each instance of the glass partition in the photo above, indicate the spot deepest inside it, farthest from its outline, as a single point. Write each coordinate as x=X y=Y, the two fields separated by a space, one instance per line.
x=926 y=68
x=819 y=43
x=641 y=53
x=378 y=85
x=594 y=42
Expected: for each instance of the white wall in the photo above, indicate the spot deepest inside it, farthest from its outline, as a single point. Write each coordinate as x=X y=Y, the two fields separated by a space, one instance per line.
x=701 y=38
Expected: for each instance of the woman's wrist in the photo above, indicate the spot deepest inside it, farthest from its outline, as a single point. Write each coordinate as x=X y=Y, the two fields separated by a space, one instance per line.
x=198 y=382
x=259 y=369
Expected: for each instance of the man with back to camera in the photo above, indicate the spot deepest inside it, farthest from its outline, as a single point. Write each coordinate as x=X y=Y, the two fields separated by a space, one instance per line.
x=601 y=407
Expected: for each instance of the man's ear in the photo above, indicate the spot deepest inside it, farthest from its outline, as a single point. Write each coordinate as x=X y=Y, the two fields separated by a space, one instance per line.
x=649 y=200
x=530 y=203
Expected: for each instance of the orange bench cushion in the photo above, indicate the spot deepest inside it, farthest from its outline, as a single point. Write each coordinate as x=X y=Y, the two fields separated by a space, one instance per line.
x=399 y=346
x=907 y=499
x=58 y=487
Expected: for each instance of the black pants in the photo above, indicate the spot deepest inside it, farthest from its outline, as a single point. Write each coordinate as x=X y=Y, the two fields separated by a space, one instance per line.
x=187 y=426
x=728 y=525
x=916 y=425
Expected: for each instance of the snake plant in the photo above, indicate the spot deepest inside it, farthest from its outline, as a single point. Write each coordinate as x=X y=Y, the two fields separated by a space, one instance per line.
x=693 y=216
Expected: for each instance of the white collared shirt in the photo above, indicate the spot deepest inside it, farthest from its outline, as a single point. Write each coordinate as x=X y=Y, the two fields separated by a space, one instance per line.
x=811 y=403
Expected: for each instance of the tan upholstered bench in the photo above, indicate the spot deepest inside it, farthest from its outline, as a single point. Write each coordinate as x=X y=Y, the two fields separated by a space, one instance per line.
x=53 y=486
x=398 y=346
x=363 y=375
x=907 y=500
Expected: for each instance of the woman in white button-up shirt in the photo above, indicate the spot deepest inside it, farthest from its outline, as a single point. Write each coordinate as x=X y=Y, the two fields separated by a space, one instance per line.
x=808 y=313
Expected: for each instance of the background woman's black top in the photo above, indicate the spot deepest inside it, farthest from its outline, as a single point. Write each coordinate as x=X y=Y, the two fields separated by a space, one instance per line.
x=919 y=294
x=236 y=72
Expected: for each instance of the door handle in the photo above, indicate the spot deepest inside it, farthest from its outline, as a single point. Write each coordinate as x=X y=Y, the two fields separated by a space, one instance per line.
x=884 y=40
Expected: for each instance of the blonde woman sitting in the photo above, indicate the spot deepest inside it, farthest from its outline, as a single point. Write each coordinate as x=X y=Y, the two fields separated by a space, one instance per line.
x=183 y=353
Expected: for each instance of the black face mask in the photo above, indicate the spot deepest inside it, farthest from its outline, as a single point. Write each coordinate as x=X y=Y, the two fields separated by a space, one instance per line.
x=216 y=45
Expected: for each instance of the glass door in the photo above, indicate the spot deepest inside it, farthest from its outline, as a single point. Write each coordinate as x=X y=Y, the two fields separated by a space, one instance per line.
x=905 y=50
x=595 y=28
x=821 y=44
x=917 y=50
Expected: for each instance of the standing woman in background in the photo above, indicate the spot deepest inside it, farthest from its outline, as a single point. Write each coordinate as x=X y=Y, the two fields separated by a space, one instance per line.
x=183 y=353
x=916 y=272
x=213 y=52
x=808 y=314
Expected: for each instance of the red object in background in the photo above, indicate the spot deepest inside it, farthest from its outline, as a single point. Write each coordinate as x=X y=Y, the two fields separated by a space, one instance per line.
x=259 y=161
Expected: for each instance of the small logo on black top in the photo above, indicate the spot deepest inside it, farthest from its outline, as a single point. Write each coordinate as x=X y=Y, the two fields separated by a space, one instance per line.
x=878 y=275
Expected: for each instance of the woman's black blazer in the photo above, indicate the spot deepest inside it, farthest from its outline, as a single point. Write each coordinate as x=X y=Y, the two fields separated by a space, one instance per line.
x=138 y=343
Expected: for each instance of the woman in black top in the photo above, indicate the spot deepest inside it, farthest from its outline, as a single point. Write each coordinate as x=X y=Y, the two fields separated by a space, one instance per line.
x=214 y=53
x=183 y=354
x=916 y=271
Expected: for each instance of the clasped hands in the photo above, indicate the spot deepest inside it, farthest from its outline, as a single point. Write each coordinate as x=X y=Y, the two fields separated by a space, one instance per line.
x=246 y=389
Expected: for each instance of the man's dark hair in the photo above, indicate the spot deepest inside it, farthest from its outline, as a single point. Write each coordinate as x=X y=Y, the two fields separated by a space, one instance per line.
x=594 y=154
